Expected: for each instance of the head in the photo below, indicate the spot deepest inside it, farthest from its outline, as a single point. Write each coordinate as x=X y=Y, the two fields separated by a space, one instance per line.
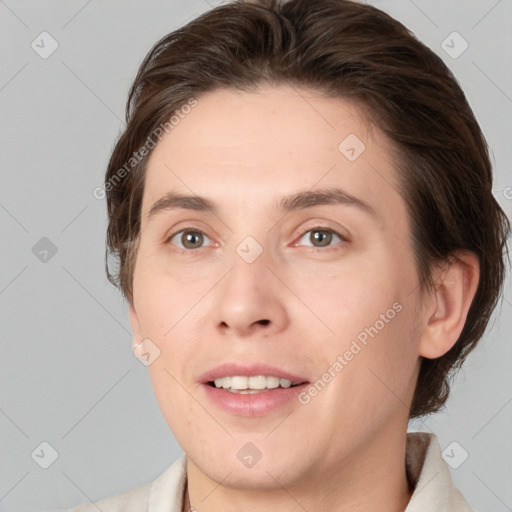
x=258 y=101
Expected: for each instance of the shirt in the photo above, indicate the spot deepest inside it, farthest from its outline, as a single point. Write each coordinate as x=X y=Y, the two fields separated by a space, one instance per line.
x=425 y=466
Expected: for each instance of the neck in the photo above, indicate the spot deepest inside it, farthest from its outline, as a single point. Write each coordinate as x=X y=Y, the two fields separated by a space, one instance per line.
x=373 y=479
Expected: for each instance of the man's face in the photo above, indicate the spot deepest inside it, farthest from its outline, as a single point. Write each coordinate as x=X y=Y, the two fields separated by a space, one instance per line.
x=325 y=294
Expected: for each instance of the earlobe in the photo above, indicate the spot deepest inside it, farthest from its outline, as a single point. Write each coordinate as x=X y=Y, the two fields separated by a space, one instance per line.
x=134 y=322
x=138 y=347
x=455 y=288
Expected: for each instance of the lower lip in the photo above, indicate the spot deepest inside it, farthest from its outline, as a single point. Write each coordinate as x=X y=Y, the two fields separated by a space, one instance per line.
x=257 y=404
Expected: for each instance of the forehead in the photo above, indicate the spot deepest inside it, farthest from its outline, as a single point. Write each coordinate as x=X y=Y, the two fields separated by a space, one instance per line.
x=244 y=148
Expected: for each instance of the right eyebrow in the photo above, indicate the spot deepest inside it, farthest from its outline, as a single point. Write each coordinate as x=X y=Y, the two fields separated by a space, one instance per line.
x=173 y=200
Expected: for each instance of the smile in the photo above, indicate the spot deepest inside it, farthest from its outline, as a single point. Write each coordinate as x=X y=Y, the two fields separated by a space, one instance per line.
x=252 y=384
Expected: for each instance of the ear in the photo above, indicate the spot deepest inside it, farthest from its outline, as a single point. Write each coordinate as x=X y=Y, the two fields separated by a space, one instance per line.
x=134 y=322
x=448 y=304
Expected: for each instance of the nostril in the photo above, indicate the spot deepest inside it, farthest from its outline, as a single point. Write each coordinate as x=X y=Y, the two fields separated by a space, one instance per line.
x=264 y=322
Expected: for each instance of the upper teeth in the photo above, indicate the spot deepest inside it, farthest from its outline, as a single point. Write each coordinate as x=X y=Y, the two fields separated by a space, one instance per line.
x=257 y=382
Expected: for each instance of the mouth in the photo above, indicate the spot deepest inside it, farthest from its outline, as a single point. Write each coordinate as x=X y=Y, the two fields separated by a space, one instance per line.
x=252 y=390
x=250 y=385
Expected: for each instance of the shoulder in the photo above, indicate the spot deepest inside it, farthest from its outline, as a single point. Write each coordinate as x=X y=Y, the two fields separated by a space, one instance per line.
x=163 y=493
x=135 y=500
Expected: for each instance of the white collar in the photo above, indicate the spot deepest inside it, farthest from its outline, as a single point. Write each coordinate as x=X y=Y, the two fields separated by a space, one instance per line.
x=431 y=477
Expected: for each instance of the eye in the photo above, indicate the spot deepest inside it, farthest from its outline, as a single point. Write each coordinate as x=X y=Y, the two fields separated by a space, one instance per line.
x=194 y=239
x=321 y=236
x=189 y=239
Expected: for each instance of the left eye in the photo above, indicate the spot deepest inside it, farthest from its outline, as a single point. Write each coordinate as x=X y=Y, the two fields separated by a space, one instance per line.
x=321 y=236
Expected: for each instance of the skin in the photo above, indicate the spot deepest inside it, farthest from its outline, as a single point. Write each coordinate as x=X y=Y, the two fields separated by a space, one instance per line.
x=345 y=449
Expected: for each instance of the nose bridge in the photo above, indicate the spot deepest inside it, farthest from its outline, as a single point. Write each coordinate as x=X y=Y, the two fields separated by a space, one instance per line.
x=249 y=274
x=250 y=245
x=248 y=296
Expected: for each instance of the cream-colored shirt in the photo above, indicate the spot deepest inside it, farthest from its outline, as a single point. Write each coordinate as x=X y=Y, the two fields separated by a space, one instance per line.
x=426 y=469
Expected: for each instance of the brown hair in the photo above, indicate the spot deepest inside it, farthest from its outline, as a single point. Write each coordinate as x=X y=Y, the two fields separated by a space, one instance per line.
x=341 y=49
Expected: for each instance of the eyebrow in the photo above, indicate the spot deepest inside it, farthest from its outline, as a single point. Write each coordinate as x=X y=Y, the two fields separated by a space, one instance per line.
x=298 y=201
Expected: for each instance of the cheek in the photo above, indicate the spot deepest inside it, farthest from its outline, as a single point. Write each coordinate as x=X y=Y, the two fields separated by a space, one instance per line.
x=178 y=410
x=373 y=369
x=165 y=296
x=366 y=314
x=382 y=373
x=349 y=298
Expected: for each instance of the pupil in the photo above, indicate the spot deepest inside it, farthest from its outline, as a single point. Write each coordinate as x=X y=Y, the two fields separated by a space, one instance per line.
x=189 y=239
x=324 y=237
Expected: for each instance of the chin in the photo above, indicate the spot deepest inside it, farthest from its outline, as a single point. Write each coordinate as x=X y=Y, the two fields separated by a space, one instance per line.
x=260 y=477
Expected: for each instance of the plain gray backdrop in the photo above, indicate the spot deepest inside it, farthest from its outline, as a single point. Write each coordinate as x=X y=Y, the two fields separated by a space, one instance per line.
x=70 y=386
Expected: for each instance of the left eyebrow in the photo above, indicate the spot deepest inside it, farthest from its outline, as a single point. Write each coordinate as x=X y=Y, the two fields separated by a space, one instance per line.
x=298 y=201
x=310 y=198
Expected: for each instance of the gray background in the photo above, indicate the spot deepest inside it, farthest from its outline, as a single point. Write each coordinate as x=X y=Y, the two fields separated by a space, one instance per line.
x=67 y=373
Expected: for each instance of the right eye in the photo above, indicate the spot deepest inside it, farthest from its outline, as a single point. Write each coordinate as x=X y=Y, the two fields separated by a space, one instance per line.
x=188 y=238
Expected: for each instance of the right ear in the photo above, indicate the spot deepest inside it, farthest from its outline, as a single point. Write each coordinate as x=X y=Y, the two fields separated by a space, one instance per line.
x=134 y=322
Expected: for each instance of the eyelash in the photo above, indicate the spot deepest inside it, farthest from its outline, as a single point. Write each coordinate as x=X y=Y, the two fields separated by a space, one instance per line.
x=303 y=232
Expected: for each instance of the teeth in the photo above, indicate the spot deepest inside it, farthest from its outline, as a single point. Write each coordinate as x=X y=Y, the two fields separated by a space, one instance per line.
x=251 y=384
x=285 y=383
x=272 y=382
x=248 y=391
x=239 y=383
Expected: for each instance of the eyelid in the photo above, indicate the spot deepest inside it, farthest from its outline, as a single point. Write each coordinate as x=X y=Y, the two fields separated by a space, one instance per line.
x=183 y=225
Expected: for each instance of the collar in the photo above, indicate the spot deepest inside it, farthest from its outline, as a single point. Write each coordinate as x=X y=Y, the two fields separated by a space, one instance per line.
x=430 y=476
x=426 y=470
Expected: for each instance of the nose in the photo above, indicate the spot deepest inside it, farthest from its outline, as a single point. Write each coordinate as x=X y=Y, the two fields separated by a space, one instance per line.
x=249 y=300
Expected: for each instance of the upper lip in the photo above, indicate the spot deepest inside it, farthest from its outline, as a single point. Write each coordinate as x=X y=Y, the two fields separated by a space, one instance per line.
x=249 y=370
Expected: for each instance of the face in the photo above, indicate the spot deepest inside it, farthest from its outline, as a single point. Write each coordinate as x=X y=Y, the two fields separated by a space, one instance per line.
x=296 y=265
